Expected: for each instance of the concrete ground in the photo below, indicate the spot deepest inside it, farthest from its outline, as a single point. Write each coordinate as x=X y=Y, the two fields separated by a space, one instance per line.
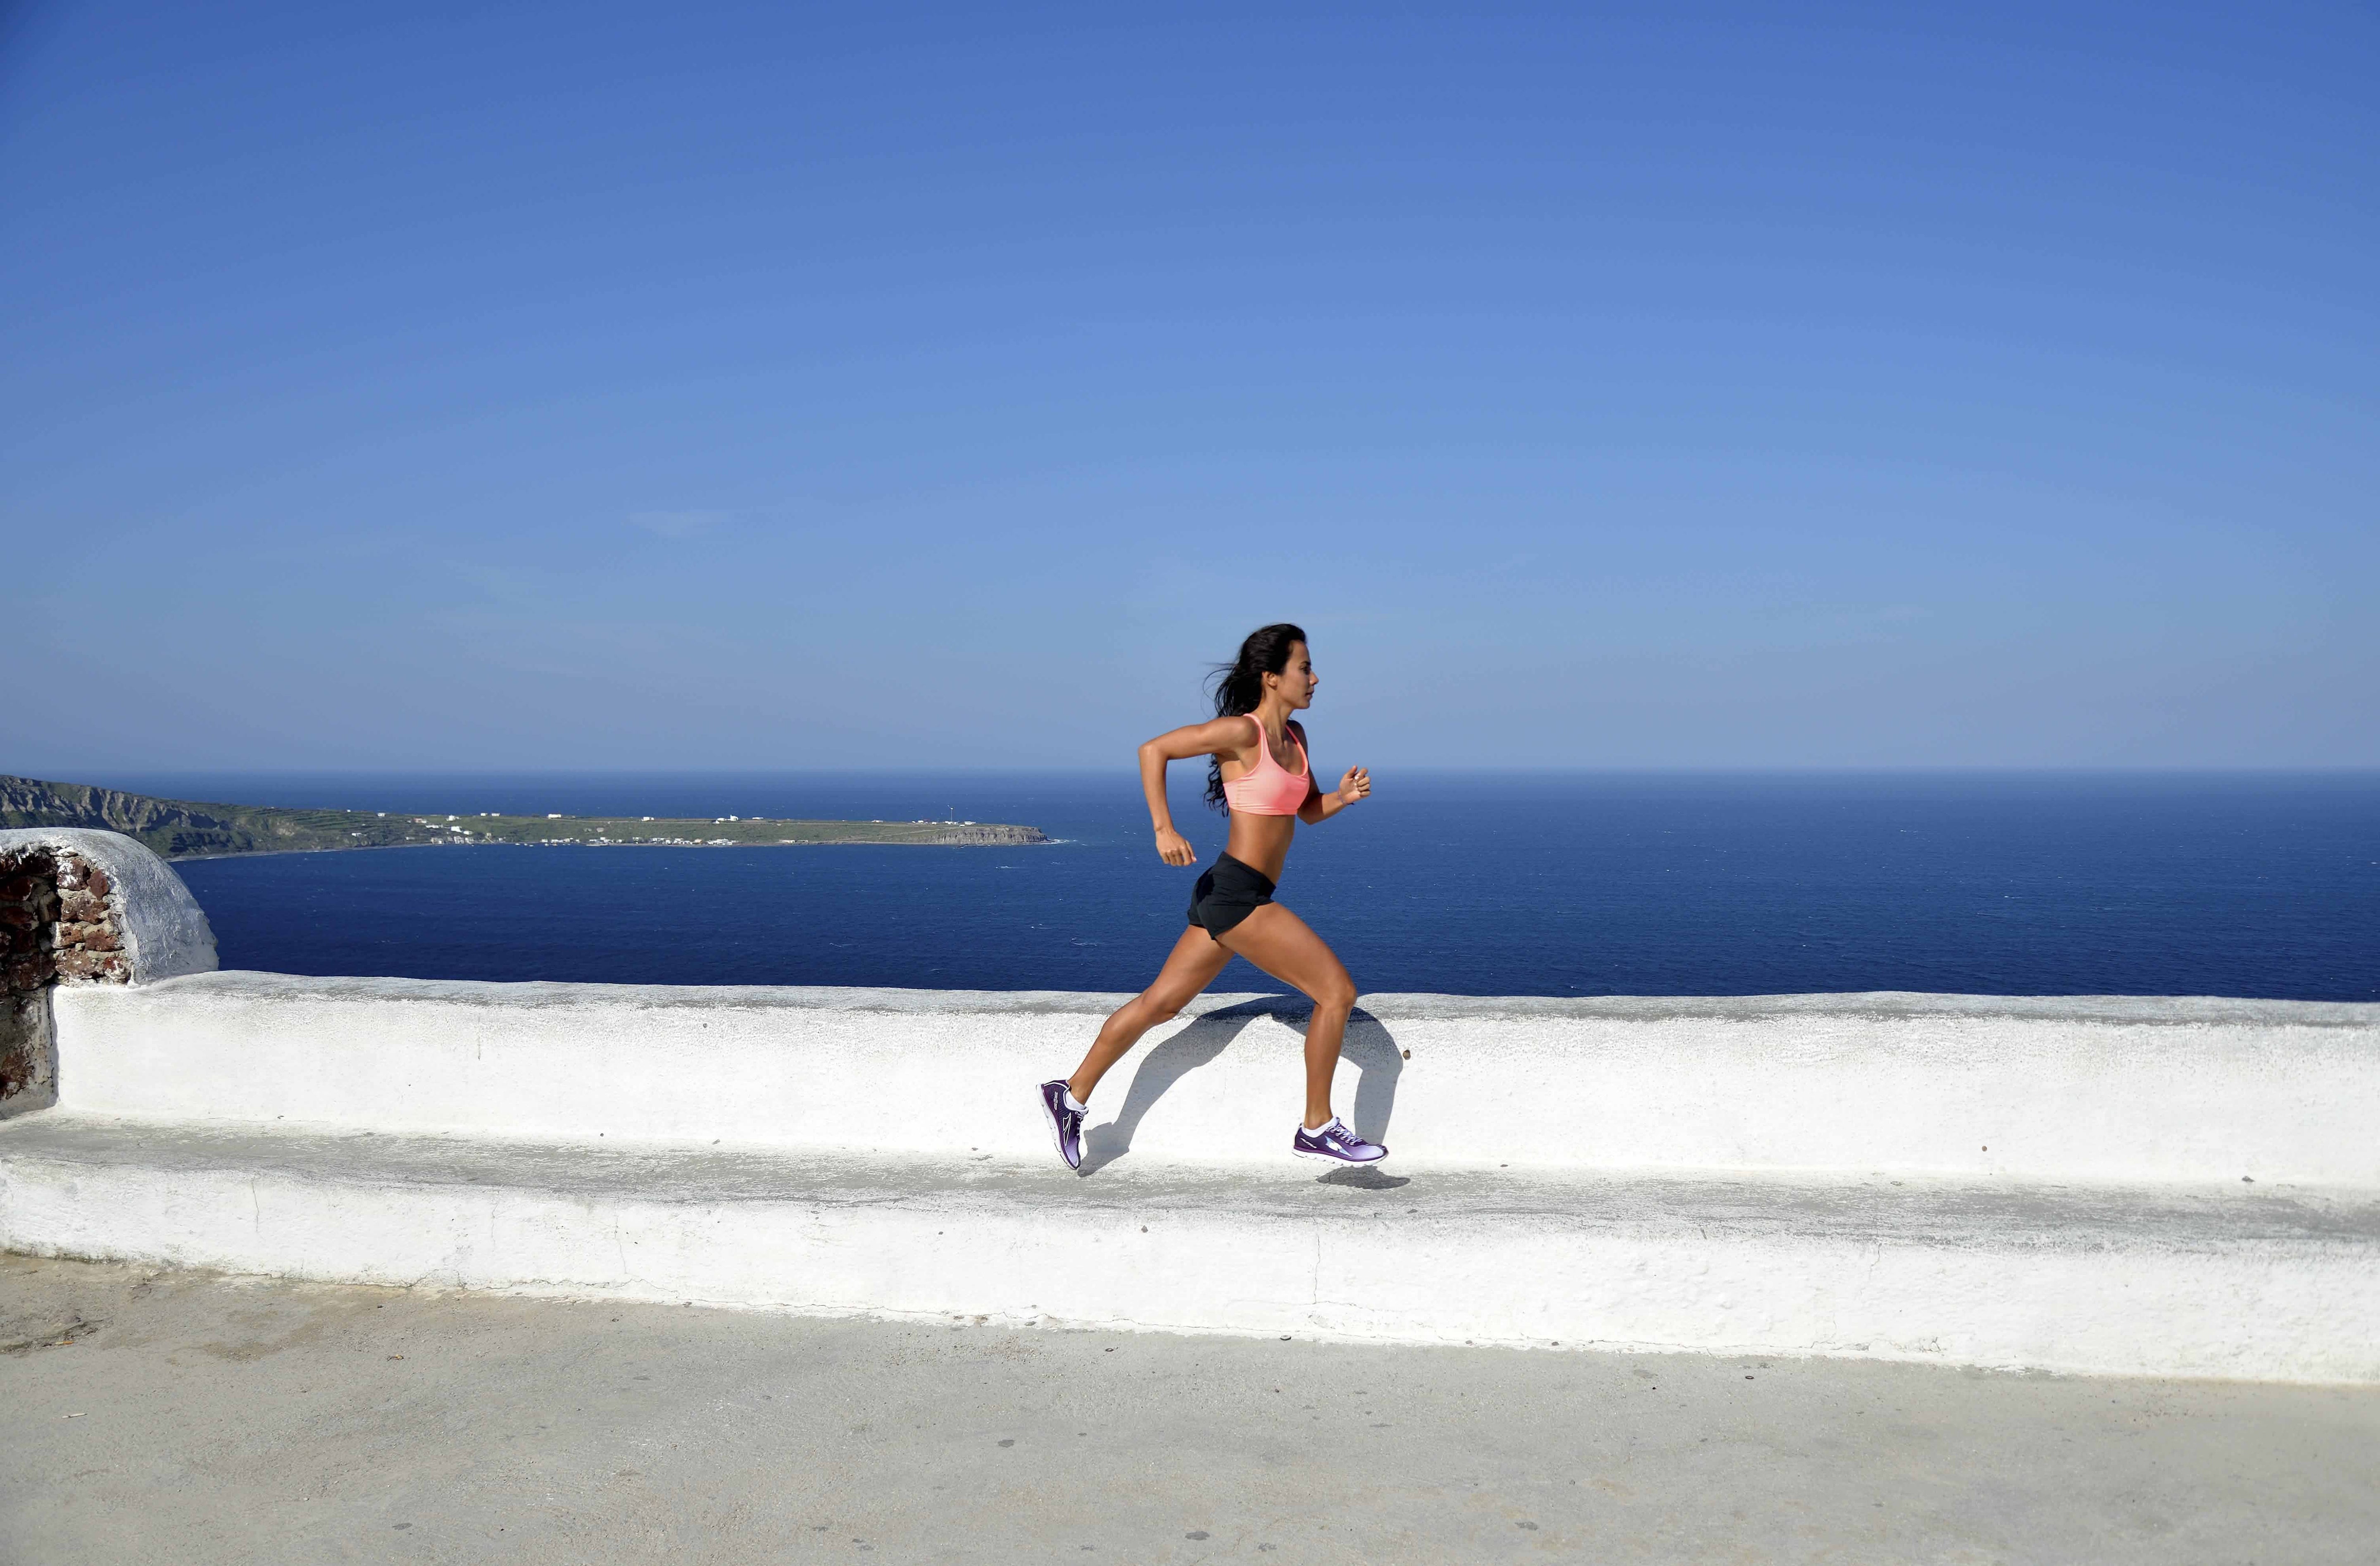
x=191 y=1419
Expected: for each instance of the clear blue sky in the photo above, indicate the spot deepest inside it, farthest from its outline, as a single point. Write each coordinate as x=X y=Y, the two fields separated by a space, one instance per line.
x=779 y=385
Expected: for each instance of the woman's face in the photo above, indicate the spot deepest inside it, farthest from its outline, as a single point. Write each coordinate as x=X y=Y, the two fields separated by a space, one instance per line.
x=1295 y=682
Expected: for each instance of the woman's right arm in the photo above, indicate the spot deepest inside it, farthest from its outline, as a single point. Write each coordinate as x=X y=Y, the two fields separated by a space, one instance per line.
x=1226 y=736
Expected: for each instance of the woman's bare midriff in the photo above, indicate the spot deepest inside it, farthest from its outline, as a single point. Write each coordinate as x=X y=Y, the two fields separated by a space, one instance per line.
x=1261 y=843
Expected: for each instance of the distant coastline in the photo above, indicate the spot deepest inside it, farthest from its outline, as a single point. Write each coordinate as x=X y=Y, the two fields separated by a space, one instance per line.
x=180 y=829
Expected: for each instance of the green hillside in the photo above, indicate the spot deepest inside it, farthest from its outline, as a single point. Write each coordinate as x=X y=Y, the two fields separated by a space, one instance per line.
x=181 y=828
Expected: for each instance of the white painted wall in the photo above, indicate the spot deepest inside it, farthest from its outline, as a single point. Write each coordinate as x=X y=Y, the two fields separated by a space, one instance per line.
x=2102 y=1089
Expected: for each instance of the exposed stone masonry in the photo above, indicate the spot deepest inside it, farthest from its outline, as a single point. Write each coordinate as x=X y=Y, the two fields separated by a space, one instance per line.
x=58 y=924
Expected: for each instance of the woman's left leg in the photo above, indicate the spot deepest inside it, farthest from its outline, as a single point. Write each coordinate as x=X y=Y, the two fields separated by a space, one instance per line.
x=1189 y=968
x=1286 y=947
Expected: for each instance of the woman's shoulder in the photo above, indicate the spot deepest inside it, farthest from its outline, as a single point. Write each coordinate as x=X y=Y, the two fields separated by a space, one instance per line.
x=1234 y=731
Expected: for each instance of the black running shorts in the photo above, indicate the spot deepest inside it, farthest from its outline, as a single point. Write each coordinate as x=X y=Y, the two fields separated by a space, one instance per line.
x=1228 y=893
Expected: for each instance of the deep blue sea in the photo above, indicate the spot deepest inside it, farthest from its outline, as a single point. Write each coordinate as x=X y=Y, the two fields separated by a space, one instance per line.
x=1479 y=884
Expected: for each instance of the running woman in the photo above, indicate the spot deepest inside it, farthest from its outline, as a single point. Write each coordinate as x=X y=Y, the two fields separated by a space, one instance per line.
x=1257 y=768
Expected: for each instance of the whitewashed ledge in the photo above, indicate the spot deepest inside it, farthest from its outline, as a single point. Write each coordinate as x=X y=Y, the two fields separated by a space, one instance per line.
x=2155 y=1186
x=2122 y=1089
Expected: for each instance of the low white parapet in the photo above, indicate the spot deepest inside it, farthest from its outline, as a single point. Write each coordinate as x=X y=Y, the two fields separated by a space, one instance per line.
x=2111 y=1089
x=2162 y=1186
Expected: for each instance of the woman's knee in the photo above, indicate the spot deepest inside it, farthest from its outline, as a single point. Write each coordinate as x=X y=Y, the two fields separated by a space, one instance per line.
x=1337 y=994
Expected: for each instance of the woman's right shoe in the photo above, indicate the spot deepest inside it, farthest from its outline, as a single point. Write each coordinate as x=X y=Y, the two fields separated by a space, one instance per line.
x=1066 y=1118
x=1336 y=1143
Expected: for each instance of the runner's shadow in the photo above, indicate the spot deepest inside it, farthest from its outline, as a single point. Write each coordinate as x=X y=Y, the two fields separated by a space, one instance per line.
x=1365 y=1177
x=1168 y=1063
x=1374 y=1051
x=1368 y=1045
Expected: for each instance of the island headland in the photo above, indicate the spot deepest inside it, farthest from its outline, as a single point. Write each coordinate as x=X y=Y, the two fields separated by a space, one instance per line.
x=181 y=828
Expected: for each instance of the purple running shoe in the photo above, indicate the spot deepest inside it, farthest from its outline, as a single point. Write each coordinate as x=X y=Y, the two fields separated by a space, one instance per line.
x=1066 y=1118
x=1336 y=1143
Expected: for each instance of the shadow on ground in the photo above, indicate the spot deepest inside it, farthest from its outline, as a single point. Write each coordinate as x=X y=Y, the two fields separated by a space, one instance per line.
x=1370 y=1046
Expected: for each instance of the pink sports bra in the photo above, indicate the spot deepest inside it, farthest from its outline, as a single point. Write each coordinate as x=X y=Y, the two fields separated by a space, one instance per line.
x=1269 y=789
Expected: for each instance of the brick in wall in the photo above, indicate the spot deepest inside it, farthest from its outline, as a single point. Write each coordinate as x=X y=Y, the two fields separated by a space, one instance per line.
x=58 y=924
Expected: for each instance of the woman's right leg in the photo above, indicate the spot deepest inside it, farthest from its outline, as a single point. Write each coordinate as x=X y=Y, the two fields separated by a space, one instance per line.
x=1286 y=947
x=1192 y=965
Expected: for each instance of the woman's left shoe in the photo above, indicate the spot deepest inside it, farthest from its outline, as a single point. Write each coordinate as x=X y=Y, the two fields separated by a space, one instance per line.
x=1064 y=1114
x=1336 y=1143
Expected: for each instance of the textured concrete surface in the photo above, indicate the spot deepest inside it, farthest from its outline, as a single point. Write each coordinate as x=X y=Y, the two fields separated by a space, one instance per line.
x=2236 y=1279
x=190 y=1419
x=2119 y=1089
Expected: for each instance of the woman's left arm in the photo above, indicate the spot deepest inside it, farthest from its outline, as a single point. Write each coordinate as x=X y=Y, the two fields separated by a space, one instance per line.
x=1321 y=806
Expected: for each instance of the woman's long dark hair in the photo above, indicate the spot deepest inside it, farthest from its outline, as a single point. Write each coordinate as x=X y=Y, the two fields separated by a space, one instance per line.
x=1239 y=687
